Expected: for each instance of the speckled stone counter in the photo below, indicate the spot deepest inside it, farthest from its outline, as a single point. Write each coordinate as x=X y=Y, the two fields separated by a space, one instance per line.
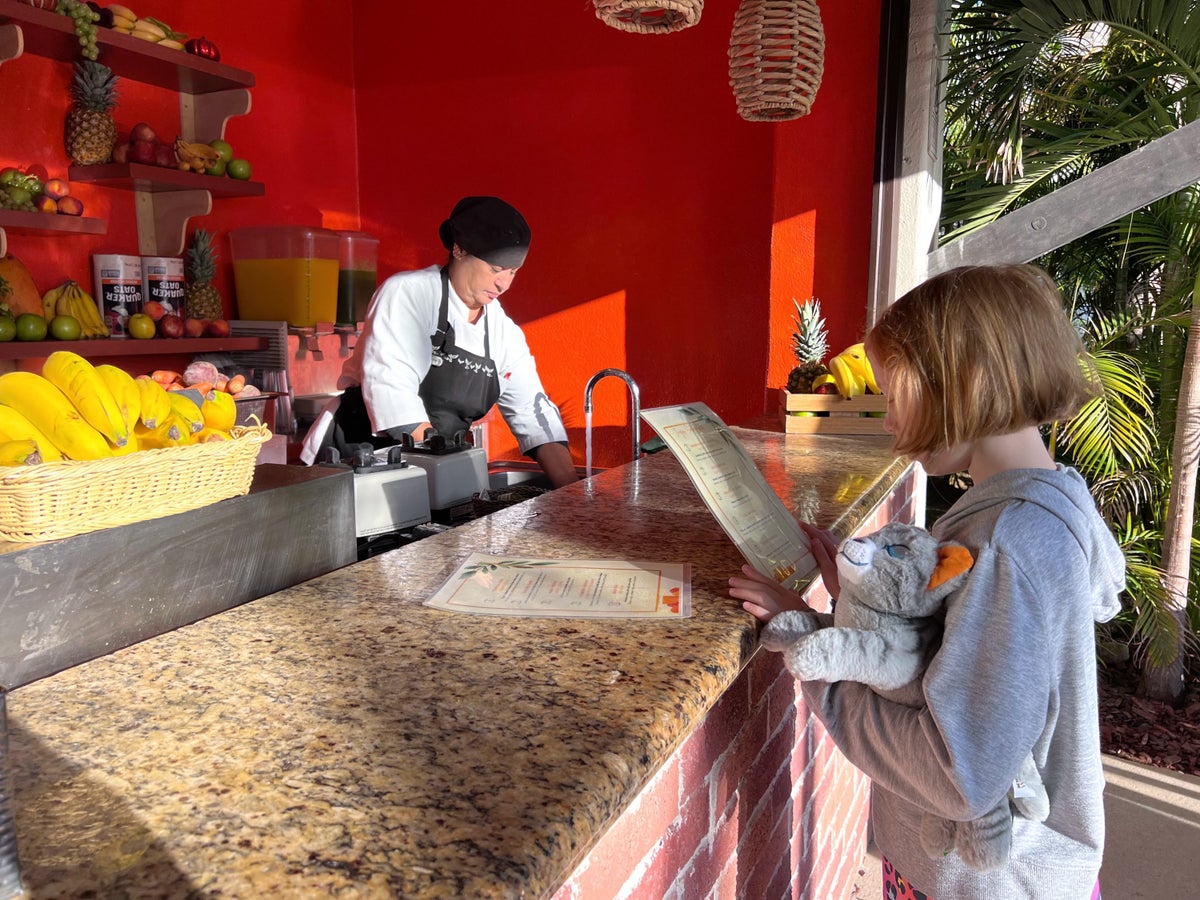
x=338 y=738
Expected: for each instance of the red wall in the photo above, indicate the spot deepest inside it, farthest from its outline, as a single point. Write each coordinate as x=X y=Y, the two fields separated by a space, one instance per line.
x=669 y=234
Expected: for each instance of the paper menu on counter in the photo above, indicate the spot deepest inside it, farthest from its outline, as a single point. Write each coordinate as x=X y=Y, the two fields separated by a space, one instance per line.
x=567 y=588
x=735 y=491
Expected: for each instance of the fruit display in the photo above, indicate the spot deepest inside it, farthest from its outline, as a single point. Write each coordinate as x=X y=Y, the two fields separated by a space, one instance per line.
x=195 y=156
x=91 y=132
x=76 y=411
x=810 y=343
x=71 y=300
x=202 y=300
x=26 y=192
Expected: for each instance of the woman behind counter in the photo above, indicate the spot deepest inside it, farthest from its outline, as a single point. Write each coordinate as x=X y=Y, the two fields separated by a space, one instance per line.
x=437 y=352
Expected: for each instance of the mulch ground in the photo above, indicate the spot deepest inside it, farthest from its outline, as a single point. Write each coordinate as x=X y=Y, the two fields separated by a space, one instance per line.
x=1148 y=731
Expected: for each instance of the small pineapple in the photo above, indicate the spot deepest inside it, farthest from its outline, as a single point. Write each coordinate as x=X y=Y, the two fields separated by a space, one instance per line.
x=91 y=133
x=202 y=300
x=810 y=344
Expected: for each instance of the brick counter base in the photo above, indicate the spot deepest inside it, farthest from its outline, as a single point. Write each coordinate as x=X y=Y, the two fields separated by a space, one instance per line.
x=756 y=803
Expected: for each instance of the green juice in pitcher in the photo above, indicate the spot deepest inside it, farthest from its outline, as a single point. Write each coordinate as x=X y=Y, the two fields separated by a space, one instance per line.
x=354 y=291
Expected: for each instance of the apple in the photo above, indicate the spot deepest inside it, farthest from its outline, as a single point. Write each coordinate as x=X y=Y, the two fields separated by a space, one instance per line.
x=164 y=155
x=195 y=327
x=170 y=326
x=56 y=189
x=120 y=153
x=70 y=206
x=218 y=328
x=239 y=169
x=222 y=147
x=154 y=309
x=143 y=132
x=143 y=152
x=47 y=204
x=37 y=171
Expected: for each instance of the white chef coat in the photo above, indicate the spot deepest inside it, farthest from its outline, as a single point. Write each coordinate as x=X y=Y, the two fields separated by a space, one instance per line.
x=393 y=355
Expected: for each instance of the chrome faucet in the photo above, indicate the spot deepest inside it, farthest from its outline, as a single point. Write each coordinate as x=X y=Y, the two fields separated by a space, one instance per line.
x=635 y=404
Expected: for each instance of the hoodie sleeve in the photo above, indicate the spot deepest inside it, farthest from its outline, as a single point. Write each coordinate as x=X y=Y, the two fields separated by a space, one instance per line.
x=987 y=691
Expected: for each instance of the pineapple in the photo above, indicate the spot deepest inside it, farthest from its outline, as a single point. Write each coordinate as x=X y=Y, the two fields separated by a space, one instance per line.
x=91 y=132
x=202 y=300
x=810 y=344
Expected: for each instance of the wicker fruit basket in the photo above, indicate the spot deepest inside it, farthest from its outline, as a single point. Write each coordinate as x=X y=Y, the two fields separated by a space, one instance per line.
x=832 y=413
x=60 y=499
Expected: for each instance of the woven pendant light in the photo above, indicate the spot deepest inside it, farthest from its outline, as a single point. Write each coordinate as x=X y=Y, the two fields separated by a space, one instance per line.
x=776 y=57
x=649 y=16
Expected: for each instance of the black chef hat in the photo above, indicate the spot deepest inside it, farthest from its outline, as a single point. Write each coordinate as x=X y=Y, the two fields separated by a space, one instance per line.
x=489 y=228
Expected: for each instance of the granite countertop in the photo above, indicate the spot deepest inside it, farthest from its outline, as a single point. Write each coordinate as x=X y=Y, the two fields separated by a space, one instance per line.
x=339 y=737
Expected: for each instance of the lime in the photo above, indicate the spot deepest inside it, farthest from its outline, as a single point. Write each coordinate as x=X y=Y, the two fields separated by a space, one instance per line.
x=239 y=169
x=140 y=325
x=8 y=328
x=31 y=327
x=224 y=148
x=217 y=168
x=66 y=328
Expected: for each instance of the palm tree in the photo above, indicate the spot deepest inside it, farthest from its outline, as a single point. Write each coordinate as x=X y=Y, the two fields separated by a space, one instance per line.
x=1041 y=93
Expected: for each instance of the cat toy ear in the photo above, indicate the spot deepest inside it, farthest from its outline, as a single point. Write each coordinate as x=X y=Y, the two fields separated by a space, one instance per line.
x=952 y=560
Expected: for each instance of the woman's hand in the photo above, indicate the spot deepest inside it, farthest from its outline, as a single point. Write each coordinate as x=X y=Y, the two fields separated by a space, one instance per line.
x=763 y=597
x=824 y=548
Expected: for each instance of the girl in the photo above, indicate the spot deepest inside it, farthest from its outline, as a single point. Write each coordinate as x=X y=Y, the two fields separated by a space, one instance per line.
x=972 y=362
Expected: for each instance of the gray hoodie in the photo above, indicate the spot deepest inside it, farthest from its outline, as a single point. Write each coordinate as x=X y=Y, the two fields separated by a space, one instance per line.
x=1015 y=673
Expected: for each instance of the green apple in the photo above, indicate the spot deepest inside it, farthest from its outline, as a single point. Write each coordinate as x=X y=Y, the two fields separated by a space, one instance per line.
x=224 y=148
x=239 y=169
x=217 y=168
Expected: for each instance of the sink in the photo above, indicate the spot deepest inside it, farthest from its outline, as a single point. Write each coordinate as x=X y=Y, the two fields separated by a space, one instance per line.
x=506 y=473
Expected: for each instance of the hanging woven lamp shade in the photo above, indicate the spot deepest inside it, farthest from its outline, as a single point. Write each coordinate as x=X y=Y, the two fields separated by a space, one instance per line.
x=776 y=57
x=649 y=16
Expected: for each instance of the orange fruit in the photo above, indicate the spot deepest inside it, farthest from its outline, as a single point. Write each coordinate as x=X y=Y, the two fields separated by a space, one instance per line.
x=140 y=325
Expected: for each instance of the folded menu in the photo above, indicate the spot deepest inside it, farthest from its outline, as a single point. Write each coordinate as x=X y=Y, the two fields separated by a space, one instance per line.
x=735 y=491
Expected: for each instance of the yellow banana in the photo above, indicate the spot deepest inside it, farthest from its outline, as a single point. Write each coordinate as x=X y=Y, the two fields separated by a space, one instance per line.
x=821 y=380
x=197 y=156
x=121 y=11
x=172 y=432
x=85 y=389
x=86 y=310
x=174 y=45
x=19 y=453
x=48 y=410
x=15 y=427
x=219 y=410
x=129 y=399
x=186 y=409
x=848 y=383
x=156 y=402
x=209 y=435
x=148 y=31
x=856 y=357
x=50 y=301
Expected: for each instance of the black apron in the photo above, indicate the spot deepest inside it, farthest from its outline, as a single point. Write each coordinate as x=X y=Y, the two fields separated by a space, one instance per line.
x=458 y=389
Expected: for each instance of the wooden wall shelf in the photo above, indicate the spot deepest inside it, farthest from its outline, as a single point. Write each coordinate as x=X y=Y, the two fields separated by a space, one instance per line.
x=161 y=180
x=45 y=223
x=52 y=35
x=119 y=347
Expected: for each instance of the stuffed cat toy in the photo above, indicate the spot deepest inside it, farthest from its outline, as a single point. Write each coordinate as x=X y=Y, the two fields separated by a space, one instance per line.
x=882 y=634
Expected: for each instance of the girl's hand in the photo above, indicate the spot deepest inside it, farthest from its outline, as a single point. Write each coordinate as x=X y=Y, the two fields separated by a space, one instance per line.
x=824 y=550
x=763 y=597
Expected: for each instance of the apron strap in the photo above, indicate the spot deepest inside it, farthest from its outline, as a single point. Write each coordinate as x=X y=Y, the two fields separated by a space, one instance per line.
x=438 y=338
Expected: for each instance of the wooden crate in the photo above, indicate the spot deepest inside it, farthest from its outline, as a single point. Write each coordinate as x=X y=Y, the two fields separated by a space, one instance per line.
x=831 y=413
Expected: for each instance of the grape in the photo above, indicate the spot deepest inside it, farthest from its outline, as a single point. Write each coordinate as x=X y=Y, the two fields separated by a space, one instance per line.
x=83 y=16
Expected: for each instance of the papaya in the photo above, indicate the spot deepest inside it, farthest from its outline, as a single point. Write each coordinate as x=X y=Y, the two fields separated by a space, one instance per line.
x=22 y=295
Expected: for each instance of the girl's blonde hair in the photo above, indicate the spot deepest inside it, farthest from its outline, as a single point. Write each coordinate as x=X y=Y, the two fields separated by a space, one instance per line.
x=979 y=351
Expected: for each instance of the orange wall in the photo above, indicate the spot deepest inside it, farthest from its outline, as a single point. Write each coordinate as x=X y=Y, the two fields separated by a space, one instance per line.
x=669 y=234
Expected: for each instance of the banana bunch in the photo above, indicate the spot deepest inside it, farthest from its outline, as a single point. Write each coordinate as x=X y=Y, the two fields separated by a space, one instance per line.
x=48 y=410
x=195 y=156
x=154 y=31
x=851 y=372
x=69 y=299
x=87 y=391
x=155 y=403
